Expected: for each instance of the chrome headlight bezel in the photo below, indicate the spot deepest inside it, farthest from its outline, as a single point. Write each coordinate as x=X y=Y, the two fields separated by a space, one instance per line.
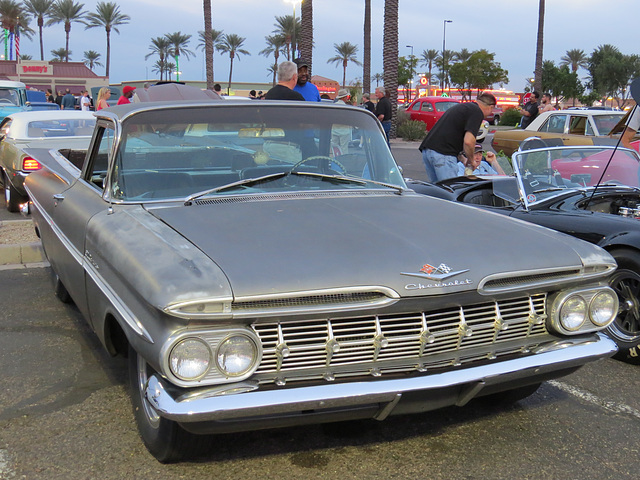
x=212 y=338
x=585 y=296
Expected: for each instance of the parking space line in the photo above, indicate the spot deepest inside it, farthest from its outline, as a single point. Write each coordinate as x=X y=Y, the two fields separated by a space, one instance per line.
x=594 y=399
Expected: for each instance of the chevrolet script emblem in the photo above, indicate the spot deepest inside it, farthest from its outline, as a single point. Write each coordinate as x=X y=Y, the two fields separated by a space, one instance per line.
x=441 y=272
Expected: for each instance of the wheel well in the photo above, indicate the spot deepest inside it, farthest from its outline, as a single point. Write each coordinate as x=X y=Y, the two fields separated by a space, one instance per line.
x=114 y=338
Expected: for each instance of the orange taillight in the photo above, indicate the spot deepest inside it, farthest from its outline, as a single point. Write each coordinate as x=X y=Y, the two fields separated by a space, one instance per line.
x=30 y=164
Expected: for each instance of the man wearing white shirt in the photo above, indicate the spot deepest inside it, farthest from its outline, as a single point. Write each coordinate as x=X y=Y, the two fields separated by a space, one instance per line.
x=85 y=101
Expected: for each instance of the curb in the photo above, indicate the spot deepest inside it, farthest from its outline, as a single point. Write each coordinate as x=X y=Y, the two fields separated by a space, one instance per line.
x=23 y=254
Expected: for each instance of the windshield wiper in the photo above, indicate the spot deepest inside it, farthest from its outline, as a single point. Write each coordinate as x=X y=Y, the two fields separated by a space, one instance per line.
x=550 y=189
x=240 y=183
x=348 y=179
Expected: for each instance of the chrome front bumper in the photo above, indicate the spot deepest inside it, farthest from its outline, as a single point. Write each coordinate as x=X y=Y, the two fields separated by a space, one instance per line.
x=243 y=401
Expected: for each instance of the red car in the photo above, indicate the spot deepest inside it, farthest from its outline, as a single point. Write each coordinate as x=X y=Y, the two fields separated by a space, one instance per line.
x=429 y=109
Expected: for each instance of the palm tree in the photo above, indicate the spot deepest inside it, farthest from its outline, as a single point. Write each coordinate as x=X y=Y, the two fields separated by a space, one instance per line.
x=60 y=55
x=107 y=15
x=208 y=43
x=390 y=57
x=378 y=77
x=179 y=42
x=537 y=73
x=232 y=44
x=443 y=61
x=366 y=61
x=288 y=27
x=462 y=56
x=275 y=44
x=306 y=32
x=575 y=58
x=26 y=57
x=272 y=71
x=91 y=59
x=14 y=18
x=346 y=52
x=66 y=11
x=40 y=9
x=428 y=59
x=159 y=46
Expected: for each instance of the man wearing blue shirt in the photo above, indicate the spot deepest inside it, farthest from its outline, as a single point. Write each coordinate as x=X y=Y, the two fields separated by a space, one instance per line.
x=307 y=89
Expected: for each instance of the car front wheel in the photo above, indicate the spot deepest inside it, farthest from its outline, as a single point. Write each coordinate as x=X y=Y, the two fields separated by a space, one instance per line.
x=625 y=329
x=165 y=439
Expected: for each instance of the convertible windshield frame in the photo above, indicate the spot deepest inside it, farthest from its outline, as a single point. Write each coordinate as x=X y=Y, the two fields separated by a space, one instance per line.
x=544 y=173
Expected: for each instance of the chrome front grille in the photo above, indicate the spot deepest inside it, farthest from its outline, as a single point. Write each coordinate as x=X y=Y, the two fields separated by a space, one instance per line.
x=331 y=348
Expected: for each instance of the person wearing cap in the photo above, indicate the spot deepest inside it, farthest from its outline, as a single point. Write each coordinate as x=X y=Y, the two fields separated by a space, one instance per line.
x=455 y=132
x=287 y=79
x=479 y=165
x=303 y=86
x=127 y=93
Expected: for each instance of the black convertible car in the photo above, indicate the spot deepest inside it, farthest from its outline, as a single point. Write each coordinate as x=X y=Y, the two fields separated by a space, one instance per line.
x=589 y=192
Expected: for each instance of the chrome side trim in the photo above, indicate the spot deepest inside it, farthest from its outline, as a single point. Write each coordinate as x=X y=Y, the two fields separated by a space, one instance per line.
x=212 y=404
x=124 y=311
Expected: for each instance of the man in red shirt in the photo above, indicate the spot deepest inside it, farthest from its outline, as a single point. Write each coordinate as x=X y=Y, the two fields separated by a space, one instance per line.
x=127 y=93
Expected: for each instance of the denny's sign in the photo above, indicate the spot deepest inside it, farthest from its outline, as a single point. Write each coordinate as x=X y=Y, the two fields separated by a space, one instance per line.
x=41 y=68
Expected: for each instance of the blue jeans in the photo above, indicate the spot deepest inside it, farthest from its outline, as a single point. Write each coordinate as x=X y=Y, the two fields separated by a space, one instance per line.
x=439 y=166
x=386 y=126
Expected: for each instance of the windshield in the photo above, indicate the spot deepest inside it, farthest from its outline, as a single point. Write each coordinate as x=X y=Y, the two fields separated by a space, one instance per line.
x=252 y=148
x=543 y=173
x=9 y=96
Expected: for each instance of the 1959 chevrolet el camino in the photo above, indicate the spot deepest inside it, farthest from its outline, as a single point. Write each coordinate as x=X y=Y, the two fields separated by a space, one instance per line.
x=259 y=274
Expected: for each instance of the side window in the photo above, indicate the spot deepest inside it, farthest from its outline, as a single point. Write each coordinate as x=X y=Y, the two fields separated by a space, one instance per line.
x=415 y=106
x=427 y=107
x=555 y=124
x=97 y=170
x=577 y=125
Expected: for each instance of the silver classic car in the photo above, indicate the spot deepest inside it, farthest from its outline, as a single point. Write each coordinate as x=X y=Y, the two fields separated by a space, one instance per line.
x=260 y=271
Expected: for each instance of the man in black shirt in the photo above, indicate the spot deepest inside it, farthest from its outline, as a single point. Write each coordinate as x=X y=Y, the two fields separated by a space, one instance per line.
x=453 y=134
x=383 y=111
x=287 y=79
x=367 y=103
x=530 y=111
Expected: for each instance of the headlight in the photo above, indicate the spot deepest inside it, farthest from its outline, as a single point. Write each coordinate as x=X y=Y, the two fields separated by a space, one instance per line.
x=236 y=355
x=573 y=313
x=603 y=308
x=190 y=359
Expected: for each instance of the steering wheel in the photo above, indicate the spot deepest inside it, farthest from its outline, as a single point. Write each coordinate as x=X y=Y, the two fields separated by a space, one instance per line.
x=320 y=157
x=6 y=100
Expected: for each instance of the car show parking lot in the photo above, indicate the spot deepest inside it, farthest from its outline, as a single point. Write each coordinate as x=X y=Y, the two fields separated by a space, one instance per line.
x=65 y=413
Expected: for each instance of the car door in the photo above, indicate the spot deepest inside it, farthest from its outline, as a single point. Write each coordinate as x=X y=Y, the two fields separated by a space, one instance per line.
x=72 y=210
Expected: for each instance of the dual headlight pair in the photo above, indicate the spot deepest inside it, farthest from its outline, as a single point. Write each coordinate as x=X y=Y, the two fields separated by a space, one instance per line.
x=584 y=310
x=213 y=356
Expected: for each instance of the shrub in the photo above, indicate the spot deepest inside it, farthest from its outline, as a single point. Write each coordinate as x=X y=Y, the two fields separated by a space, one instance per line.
x=412 y=130
x=510 y=117
x=403 y=116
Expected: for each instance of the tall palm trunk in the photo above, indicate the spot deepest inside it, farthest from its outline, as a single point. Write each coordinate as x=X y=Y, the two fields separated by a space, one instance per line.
x=40 y=25
x=390 y=59
x=108 y=29
x=276 y=54
x=366 y=64
x=306 y=32
x=208 y=44
x=231 y=55
x=537 y=82
x=67 y=29
x=344 y=73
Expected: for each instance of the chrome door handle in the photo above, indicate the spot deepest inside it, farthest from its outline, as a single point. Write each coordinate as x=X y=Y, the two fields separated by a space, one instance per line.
x=58 y=196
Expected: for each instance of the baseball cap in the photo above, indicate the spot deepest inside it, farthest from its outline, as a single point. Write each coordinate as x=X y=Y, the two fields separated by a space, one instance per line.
x=478 y=148
x=128 y=89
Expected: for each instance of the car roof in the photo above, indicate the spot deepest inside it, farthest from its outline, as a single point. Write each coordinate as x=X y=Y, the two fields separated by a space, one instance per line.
x=11 y=84
x=438 y=99
x=50 y=115
x=584 y=113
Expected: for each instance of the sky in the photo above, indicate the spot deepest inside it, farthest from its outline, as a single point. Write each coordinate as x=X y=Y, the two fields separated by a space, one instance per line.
x=507 y=28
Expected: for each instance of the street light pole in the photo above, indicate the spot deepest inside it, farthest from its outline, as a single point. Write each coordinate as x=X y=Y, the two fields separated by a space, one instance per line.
x=412 y=74
x=444 y=58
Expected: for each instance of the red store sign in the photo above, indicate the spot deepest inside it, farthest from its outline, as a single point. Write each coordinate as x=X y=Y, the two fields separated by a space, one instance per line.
x=35 y=69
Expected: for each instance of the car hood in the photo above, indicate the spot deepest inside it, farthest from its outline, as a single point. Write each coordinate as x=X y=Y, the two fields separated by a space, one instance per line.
x=266 y=245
